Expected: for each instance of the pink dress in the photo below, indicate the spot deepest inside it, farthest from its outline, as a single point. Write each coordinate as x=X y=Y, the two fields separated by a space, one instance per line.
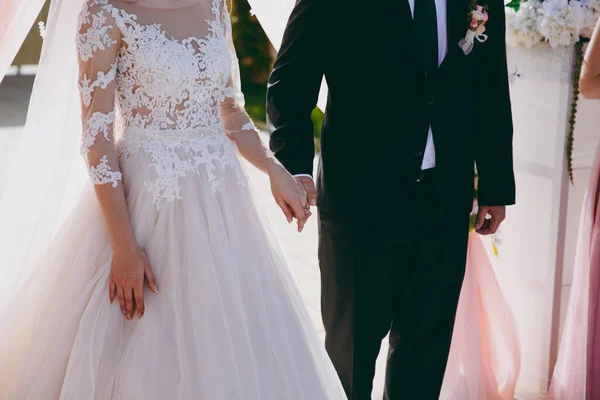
x=484 y=361
x=579 y=356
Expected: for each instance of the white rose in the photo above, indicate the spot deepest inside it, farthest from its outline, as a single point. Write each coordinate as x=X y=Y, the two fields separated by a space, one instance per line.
x=480 y=29
x=477 y=16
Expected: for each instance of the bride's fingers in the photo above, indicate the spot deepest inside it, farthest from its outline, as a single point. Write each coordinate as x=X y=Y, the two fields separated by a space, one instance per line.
x=150 y=278
x=112 y=290
x=121 y=295
x=128 y=293
x=285 y=208
x=301 y=216
x=140 y=305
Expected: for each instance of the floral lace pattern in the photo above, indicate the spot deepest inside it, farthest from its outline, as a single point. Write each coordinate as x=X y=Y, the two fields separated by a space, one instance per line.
x=102 y=173
x=179 y=152
x=168 y=96
x=96 y=37
x=249 y=127
x=87 y=87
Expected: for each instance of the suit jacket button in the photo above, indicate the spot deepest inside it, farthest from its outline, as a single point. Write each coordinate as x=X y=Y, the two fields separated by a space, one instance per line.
x=418 y=153
x=431 y=100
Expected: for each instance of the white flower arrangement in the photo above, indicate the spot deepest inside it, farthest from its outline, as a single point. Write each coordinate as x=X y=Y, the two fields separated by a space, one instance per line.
x=557 y=22
x=521 y=26
x=591 y=16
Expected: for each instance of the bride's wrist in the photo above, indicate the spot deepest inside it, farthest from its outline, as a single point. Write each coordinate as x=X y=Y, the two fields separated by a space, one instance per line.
x=273 y=166
x=124 y=243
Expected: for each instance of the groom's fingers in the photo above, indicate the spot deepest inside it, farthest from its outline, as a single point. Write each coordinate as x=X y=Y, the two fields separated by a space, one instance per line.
x=485 y=228
x=498 y=214
x=311 y=191
x=481 y=214
x=490 y=226
x=494 y=224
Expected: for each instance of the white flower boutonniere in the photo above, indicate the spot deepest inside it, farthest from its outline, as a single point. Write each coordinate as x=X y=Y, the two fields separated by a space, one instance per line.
x=477 y=17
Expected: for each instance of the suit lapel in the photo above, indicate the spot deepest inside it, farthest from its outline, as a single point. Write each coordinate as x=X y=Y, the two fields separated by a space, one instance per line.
x=456 y=26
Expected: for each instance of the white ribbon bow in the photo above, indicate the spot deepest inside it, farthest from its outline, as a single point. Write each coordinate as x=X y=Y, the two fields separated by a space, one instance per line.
x=467 y=43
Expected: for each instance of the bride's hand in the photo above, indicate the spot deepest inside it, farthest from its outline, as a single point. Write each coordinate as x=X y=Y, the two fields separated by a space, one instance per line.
x=128 y=270
x=290 y=195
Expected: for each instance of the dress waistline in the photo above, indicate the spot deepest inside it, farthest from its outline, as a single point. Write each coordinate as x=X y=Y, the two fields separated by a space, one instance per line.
x=185 y=134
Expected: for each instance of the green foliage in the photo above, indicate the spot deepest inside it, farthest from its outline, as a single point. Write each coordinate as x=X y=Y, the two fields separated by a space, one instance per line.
x=514 y=4
x=256 y=56
x=317 y=119
x=472 y=222
x=574 y=101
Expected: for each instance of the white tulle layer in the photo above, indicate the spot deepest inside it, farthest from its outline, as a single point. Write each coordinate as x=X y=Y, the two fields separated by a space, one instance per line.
x=227 y=324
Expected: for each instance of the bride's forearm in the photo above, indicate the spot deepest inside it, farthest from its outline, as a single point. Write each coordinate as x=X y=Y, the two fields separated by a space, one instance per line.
x=116 y=217
x=253 y=150
x=589 y=81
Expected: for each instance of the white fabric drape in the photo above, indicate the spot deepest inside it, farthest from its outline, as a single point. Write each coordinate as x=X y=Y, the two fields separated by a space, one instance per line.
x=45 y=178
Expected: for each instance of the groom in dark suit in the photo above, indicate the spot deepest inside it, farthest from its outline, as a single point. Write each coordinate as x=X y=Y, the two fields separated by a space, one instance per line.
x=409 y=115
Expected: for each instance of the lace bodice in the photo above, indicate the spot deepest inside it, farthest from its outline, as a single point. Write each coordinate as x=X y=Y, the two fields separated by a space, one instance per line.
x=175 y=96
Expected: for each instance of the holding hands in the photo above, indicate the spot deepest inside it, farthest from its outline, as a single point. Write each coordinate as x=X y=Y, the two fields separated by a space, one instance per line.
x=294 y=195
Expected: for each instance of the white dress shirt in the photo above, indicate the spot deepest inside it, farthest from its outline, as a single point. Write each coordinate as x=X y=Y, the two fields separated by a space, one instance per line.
x=440 y=8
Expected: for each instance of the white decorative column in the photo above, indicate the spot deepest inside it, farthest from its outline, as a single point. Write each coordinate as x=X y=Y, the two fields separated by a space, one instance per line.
x=532 y=254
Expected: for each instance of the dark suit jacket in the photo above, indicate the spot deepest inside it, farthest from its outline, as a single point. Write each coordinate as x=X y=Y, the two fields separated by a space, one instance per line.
x=380 y=100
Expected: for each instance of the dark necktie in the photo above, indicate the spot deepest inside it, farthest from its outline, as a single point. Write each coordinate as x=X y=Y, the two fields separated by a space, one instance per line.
x=427 y=33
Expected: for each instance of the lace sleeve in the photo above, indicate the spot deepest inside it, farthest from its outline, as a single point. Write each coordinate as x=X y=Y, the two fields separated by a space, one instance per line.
x=98 y=42
x=235 y=118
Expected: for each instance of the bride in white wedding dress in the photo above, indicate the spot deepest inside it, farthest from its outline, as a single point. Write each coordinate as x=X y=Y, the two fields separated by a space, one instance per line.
x=163 y=282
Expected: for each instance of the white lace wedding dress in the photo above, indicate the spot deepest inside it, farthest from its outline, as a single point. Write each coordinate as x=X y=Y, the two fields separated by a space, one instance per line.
x=160 y=100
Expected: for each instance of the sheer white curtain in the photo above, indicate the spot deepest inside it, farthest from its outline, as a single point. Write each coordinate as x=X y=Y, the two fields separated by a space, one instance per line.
x=45 y=177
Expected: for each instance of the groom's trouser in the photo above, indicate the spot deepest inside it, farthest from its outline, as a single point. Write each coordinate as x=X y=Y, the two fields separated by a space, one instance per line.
x=405 y=283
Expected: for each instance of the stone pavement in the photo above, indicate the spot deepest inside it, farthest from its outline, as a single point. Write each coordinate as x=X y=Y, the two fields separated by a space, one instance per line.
x=301 y=249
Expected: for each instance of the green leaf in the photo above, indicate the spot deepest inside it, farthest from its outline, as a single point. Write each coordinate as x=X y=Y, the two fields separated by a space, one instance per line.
x=514 y=4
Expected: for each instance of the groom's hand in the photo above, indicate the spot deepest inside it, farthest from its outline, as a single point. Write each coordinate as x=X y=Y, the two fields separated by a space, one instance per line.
x=489 y=226
x=309 y=185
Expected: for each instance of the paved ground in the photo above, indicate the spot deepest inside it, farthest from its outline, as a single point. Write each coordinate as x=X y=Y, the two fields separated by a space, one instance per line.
x=300 y=248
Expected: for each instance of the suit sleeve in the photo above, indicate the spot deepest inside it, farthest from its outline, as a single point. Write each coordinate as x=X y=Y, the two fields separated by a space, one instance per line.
x=294 y=85
x=493 y=147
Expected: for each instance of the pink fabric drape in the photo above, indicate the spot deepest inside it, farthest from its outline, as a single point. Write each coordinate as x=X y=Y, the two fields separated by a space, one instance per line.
x=484 y=360
x=577 y=371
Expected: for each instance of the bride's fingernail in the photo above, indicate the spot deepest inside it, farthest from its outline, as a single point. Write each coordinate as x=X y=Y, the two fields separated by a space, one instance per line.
x=155 y=289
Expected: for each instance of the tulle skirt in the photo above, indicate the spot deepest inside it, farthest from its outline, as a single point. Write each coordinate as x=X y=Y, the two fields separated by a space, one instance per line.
x=485 y=357
x=227 y=324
